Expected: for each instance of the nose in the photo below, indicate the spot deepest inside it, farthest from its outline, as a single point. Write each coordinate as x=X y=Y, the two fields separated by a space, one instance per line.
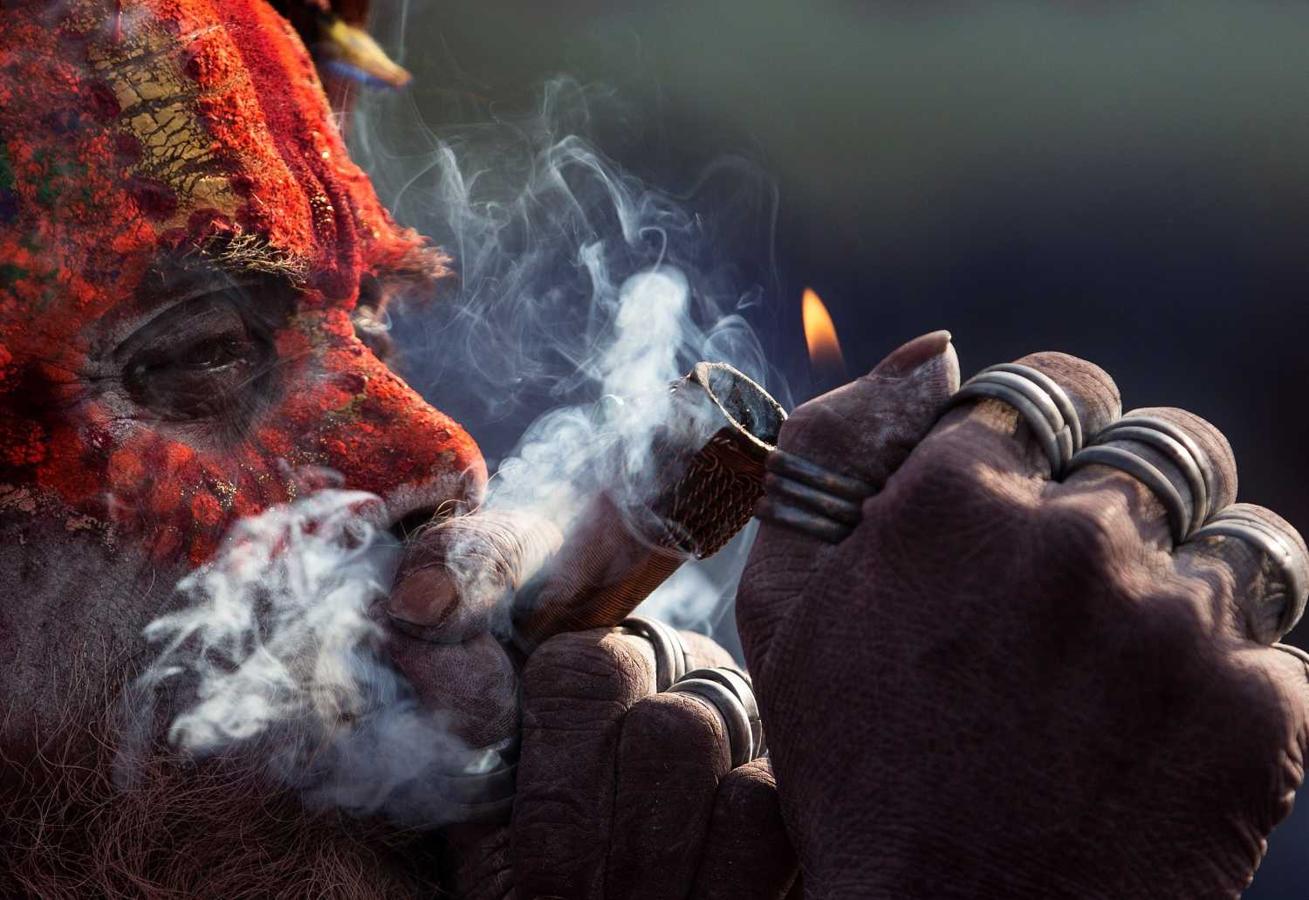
x=362 y=420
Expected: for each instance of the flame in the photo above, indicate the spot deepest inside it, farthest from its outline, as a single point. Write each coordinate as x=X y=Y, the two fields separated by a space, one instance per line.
x=820 y=333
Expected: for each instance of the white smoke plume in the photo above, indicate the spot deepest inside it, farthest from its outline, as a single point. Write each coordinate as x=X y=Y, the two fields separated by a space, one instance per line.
x=577 y=283
x=277 y=659
x=581 y=295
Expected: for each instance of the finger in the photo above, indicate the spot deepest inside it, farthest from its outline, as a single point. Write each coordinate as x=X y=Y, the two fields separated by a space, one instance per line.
x=473 y=689
x=473 y=684
x=476 y=858
x=1261 y=564
x=866 y=428
x=703 y=652
x=576 y=689
x=1028 y=418
x=747 y=852
x=1172 y=469
x=1272 y=742
x=458 y=573
x=674 y=749
x=844 y=444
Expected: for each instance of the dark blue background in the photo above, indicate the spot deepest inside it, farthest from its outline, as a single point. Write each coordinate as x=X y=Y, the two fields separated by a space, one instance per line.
x=1128 y=182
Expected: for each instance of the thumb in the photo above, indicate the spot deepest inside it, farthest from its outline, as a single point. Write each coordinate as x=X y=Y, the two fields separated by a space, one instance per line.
x=866 y=428
x=458 y=575
x=863 y=431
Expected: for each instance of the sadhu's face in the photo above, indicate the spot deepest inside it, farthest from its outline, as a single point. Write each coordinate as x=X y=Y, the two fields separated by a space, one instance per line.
x=185 y=251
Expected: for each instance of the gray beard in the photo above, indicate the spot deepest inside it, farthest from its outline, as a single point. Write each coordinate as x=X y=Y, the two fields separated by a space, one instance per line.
x=210 y=829
x=70 y=639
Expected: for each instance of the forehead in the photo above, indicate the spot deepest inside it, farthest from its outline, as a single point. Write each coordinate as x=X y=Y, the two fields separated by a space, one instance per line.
x=135 y=130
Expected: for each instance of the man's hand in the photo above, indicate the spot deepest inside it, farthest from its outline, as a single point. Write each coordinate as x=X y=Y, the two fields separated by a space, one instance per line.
x=1007 y=684
x=623 y=789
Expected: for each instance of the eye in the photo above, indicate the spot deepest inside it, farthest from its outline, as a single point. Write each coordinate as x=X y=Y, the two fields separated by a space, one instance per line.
x=205 y=358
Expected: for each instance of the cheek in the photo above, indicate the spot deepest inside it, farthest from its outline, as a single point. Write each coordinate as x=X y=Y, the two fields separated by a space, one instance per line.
x=337 y=407
x=178 y=499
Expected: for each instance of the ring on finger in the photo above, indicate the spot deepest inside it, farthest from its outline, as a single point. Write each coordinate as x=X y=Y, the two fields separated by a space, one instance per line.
x=721 y=691
x=742 y=687
x=1145 y=472
x=669 y=651
x=1043 y=405
x=1180 y=449
x=804 y=496
x=1289 y=560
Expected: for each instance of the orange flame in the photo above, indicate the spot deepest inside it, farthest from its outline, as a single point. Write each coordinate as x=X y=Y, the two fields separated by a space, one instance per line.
x=820 y=333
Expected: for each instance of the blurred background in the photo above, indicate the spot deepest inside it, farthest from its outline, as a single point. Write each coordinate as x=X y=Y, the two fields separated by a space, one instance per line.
x=1124 y=181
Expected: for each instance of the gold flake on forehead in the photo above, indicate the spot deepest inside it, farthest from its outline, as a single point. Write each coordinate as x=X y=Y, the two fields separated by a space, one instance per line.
x=144 y=68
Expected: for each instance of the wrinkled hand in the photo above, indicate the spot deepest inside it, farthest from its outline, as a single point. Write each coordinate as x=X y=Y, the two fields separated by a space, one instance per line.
x=622 y=790
x=1001 y=684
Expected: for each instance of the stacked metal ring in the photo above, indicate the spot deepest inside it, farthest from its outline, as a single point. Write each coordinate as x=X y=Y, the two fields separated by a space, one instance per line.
x=669 y=652
x=483 y=792
x=1174 y=444
x=730 y=692
x=1043 y=404
x=1238 y=522
x=804 y=496
x=1053 y=419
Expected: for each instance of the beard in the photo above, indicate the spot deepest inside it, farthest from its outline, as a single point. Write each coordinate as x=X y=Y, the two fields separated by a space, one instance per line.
x=211 y=829
x=70 y=648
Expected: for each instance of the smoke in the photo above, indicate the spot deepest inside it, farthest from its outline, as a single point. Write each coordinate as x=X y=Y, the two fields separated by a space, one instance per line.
x=272 y=655
x=581 y=294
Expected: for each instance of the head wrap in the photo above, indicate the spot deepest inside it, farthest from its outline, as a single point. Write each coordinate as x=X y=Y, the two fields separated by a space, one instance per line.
x=142 y=130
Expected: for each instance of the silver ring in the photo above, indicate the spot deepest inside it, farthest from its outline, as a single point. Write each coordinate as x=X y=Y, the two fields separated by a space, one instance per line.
x=797 y=468
x=1238 y=524
x=843 y=512
x=719 y=692
x=739 y=683
x=1297 y=653
x=1049 y=414
x=1057 y=395
x=1182 y=451
x=1143 y=471
x=669 y=651
x=804 y=496
x=485 y=796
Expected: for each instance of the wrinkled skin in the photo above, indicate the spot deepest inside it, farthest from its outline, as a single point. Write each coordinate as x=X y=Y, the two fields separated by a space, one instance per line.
x=624 y=792
x=184 y=264
x=189 y=261
x=190 y=265
x=1006 y=686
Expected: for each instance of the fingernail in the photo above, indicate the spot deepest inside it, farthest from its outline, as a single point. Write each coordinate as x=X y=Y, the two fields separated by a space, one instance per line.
x=909 y=357
x=425 y=596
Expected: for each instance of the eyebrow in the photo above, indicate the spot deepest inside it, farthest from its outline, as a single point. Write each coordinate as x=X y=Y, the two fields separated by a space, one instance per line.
x=251 y=254
x=174 y=278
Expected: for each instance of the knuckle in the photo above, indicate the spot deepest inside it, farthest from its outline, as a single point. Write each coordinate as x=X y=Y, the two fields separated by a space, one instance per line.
x=1092 y=391
x=953 y=490
x=665 y=722
x=751 y=787
x=597 y=665
x=1212 y=443
x=944 y=470
x=703 y=651
x=1091 y=538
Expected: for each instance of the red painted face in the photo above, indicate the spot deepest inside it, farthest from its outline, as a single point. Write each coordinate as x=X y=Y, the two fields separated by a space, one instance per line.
x=182 y=246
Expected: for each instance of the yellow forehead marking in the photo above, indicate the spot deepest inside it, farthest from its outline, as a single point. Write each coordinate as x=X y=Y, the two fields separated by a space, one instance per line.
x=157 y=102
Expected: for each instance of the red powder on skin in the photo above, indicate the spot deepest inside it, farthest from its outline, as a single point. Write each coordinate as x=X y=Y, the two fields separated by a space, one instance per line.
x=206 y=511
x=83 y=213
